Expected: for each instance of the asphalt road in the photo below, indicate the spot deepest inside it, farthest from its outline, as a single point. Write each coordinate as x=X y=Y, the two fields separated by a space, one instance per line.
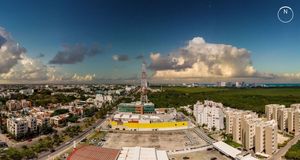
x=284 y=149
x=68 y=145
x=199 y=131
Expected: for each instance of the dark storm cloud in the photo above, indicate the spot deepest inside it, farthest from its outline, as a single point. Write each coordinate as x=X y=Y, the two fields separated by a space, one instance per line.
x=72 y=54
x=41 y=55
x=139 y=56
x=2 y=40
x=122 y=57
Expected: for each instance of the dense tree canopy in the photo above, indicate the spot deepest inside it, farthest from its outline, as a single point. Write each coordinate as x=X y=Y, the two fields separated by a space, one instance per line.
x=245 y=98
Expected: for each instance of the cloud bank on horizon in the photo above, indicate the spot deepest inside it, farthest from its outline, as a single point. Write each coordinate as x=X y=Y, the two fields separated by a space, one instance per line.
x=199 y=59
x=17 y=66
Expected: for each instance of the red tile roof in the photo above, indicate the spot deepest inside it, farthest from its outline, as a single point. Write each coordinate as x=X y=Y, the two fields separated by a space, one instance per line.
x=94 y=153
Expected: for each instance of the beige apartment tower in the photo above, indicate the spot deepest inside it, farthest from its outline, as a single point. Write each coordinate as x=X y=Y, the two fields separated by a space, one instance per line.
x=297 y=122
x=271 y=111
x=229 y=122
x=266 y=137
x=271 y=138
x=248 y=131
x=236 y=128
x=260 y=138
x=268 y=111
x=282 y=117
x=291 y=121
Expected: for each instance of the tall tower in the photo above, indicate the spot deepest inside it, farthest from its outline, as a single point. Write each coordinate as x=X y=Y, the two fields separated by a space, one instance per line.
x=144 y=98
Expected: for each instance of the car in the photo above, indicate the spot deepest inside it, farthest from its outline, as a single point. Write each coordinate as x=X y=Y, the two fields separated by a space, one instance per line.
x=29 y=140
x=3 y=145
x=68 y=142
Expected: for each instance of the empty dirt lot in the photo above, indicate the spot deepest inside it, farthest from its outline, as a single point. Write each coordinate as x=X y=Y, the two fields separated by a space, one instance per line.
x=174 y=140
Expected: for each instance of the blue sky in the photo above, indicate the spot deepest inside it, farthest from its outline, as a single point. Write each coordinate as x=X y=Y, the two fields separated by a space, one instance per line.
x=135 y=27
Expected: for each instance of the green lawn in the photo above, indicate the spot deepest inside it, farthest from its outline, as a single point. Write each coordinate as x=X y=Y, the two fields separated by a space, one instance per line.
x=97 y=134
x=294 y=152
x=233 y=144
x=246 y=98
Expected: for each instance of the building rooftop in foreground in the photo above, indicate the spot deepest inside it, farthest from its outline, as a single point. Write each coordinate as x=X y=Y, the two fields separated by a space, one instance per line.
x=141 y=153
x=227 y=149
x=94 y=153
x=231 y=151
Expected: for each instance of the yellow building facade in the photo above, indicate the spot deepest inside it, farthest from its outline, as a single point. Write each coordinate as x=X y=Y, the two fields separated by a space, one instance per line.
x=148 y=126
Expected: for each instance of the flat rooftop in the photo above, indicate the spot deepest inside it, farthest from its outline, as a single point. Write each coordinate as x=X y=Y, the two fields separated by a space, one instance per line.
x=94 y=153
x=141 y=153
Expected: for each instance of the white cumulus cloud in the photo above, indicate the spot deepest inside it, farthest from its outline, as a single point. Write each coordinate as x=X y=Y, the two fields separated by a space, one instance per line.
x=16 y=66
x=201 y=59
x=87 y=77
x=10 y=51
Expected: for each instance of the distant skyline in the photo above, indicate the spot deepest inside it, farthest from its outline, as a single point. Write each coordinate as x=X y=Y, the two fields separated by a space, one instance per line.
x=181 y=41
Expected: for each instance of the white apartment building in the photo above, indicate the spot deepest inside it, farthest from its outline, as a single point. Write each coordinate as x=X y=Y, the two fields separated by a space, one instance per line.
x=59 y=120
x=13 y=105
x=100 y=99
x=26 y=91
x=210 y=113
x=21 y=126
x=32 y=123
